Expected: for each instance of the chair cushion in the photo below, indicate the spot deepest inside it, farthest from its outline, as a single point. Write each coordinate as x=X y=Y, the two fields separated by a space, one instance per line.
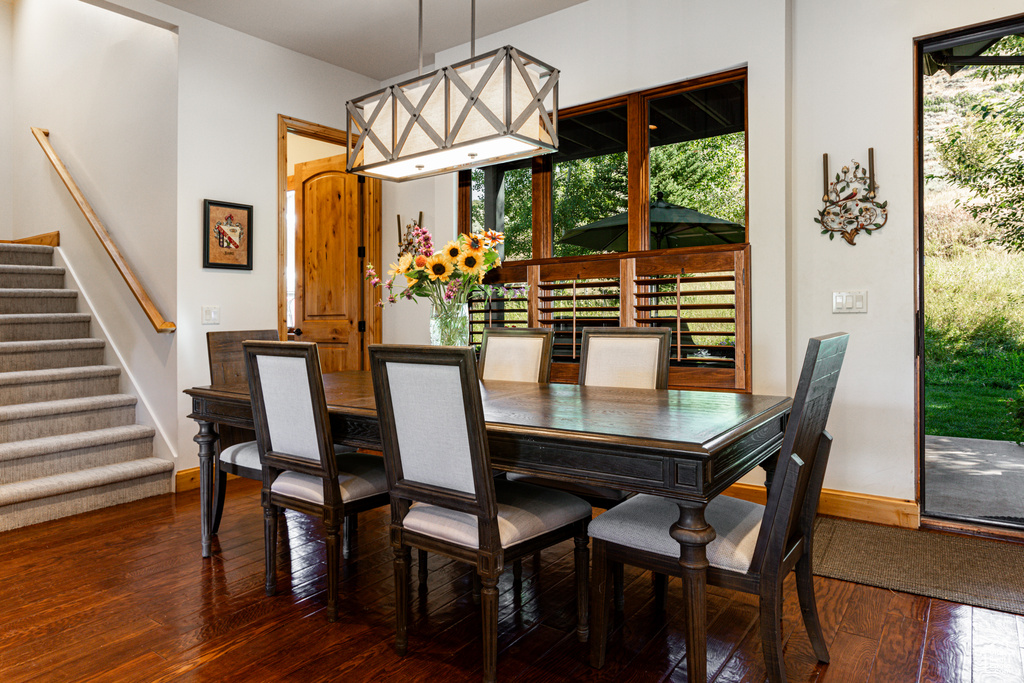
x=577 y=488
x=643 y=522
x=245 y=454
x=359 y=476
x=524 y=512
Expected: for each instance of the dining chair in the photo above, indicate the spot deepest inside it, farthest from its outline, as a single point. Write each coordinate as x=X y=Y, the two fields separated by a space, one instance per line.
x=227 y=366
x=623 y=357
x=755 y=546
x=302 y=469
x=444 y=498
x=516 y=354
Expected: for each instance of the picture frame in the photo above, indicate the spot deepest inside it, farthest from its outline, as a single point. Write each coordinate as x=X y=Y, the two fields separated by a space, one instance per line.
x=227 y=235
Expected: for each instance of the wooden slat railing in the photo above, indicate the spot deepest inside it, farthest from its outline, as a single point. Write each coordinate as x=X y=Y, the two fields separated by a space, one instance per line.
x=136 y=287
x=703 y=295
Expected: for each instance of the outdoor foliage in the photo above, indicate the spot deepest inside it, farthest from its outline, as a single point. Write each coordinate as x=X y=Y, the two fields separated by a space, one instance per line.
x=984 y=155
x=706 y=175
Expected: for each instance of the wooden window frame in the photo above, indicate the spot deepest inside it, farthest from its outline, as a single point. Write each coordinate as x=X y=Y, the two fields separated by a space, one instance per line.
x=638 y=166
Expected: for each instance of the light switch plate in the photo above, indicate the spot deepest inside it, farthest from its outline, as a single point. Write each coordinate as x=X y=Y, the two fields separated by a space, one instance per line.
x=211 y=315
x=850 y=302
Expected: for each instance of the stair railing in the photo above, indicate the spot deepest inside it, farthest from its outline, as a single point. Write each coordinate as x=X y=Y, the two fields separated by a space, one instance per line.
x=136 y=287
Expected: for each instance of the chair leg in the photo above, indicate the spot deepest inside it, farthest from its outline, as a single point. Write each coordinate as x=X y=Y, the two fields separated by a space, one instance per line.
x=582 y=557
x=771 y=628
x=660 y=591
x=403 y=557
x=517 y=574
x=421 y=560
x=219 y=490
x=476 y=588
x=599 y=605
x=809 y=606
x=618 y=578
x=349 y=539
x=489 y=617
x=333 y=566
x=270 y=547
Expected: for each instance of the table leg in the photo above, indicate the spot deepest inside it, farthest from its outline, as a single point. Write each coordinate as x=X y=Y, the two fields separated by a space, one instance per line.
x=206 y=438
x=693 y=534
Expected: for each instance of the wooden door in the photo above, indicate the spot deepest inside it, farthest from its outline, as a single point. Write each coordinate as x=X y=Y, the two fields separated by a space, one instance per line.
x=329 y=285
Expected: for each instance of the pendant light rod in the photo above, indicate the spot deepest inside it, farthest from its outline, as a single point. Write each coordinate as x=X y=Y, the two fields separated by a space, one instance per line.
x=472 y=29
x=420 y=73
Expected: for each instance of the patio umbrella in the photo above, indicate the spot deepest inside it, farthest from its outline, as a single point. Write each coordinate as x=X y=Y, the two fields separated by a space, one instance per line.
x=671 y=226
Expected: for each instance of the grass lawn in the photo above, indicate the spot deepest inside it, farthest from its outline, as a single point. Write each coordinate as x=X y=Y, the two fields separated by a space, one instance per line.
x=967 y=411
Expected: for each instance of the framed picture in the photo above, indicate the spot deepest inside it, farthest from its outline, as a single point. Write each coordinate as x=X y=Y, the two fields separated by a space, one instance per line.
x=227 y=235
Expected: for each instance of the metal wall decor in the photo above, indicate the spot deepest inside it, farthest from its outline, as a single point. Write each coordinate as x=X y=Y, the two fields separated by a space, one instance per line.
x=494 y=108
x=851 y=205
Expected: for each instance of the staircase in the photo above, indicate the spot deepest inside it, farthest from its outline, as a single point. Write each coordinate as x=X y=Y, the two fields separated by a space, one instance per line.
x=68 y=439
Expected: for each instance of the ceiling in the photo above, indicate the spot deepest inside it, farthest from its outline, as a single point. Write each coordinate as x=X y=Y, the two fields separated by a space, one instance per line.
x=376 y=38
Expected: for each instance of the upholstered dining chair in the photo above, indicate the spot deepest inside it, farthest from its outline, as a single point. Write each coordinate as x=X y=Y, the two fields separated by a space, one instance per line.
x=302 y=469
x=755 y=546
x=444 y=498
x=227 y=366
x=624 y=357
x=516 y=354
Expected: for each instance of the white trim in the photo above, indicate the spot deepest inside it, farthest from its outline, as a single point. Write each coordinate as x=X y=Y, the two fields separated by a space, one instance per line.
x=147 y=416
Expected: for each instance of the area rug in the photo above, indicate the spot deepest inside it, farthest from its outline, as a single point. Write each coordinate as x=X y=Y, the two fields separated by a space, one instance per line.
x=964 y=569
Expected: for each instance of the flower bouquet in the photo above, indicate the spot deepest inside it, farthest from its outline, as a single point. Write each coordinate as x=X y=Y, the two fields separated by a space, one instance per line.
x=447 y=277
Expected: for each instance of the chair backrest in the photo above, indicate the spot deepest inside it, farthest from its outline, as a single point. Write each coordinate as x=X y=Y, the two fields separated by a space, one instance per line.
x=293 y=428
x=520 y=354
x=227 y=357
x=433 y=432
x=789 y=512
x=626 y=357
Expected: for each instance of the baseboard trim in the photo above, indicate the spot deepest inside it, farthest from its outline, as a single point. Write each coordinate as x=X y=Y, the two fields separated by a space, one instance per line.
x=862 y=507
x=188 y=480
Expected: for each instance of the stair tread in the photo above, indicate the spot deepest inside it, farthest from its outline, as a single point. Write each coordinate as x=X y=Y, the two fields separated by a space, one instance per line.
x=37 y=292
x=50 y=344
x=57 y=484
x=69 y=442
x=44 y=317
x=57 y=374
x=37 y=248
x=65 y=405
x=19 y=268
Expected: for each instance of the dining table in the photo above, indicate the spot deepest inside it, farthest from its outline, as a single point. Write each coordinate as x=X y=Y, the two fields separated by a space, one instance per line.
x=689 y=446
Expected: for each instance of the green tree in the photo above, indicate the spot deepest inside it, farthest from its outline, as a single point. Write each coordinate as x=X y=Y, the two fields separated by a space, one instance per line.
x=986 y=154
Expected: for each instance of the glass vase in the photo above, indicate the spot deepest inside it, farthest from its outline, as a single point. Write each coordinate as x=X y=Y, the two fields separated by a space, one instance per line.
x=449 y=324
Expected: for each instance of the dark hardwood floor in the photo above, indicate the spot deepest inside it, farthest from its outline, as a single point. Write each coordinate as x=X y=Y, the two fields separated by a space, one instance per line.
x=122 y=595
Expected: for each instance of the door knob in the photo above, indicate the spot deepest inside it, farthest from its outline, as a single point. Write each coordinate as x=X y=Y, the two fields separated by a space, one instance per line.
x=297 y=332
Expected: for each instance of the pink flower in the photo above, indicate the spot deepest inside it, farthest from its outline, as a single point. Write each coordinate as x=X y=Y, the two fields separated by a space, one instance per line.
x=374 y=282
x=392 y=299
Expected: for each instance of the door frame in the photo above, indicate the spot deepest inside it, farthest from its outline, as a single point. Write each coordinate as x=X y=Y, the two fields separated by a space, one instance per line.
x=371 y=237
x=945 y=522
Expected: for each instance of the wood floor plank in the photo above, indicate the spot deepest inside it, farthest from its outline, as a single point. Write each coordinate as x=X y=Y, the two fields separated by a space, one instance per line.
x=133 y=601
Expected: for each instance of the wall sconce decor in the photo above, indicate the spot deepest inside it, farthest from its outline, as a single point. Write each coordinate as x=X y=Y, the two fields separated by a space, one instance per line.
x=851 y=204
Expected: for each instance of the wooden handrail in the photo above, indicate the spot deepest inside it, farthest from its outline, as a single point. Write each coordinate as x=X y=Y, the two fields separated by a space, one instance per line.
x=136 y=287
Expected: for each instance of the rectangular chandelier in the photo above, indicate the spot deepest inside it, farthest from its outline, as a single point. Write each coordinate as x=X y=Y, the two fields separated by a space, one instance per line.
x=493 y=108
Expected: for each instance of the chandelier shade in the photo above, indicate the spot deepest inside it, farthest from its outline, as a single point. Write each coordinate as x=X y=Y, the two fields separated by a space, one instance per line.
x=497 y=107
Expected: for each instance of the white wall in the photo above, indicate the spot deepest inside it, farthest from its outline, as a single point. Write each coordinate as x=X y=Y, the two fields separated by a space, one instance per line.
x=873 y=421
x=6 y=117
x=106 y=88
x=231 y=88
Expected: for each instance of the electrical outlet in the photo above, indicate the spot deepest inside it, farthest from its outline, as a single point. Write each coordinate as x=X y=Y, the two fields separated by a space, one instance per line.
x=211 y=315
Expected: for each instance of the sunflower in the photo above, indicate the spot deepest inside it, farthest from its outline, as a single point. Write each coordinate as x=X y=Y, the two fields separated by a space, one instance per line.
x=475 y=243
x=439 y=267
x=401 y=267
x=471 y=262
x=451 y=250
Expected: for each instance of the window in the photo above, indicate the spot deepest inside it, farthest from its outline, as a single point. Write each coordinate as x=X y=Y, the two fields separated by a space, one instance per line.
x=654 y=170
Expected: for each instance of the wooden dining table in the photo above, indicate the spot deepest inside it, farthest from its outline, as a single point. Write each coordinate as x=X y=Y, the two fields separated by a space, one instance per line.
x=685 y=445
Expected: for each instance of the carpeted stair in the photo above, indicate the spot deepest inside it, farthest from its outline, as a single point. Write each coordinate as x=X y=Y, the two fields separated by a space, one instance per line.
x=68 y=439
